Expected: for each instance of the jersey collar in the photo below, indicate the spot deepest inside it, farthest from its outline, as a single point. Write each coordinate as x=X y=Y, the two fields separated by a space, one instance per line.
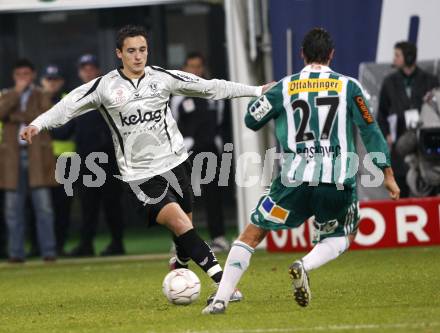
x=121 y=73
x=316 y=68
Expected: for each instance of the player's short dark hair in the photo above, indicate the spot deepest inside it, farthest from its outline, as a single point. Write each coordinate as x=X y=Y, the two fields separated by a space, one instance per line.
x=409 y=51
x=21 y=63
x=317 y=46
x=195 y=55
x=129 y=31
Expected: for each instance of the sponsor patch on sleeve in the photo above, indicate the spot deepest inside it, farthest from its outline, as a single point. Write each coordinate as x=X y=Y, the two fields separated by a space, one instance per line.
x=187 y=77
x=260 y=108
x=363 y=108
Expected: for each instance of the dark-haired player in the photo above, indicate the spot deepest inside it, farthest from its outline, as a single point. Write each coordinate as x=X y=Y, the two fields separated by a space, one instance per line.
x=314 y=112
x=149 y=147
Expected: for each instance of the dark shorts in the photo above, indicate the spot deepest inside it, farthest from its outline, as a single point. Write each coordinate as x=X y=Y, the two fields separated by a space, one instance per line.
x=173 y=186
x=281 y=207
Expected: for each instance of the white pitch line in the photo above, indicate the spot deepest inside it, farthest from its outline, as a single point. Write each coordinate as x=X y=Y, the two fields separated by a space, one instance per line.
x=347 y=327
x=90 y=260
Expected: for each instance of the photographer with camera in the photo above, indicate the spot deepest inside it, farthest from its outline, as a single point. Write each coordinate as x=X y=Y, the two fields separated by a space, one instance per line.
x=421 y=149
x=400 y=101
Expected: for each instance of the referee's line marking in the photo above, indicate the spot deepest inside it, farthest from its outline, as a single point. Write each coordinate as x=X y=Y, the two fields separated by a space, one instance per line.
x=345 y=327
x=90 y=260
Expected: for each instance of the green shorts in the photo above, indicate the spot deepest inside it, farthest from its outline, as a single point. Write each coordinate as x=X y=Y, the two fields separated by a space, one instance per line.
x=336 y=211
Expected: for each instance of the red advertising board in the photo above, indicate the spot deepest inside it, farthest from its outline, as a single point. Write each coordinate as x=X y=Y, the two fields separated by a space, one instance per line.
x=406 y=222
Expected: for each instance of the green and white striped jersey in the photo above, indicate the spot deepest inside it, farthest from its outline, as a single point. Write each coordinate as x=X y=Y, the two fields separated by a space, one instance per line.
x=314 y=113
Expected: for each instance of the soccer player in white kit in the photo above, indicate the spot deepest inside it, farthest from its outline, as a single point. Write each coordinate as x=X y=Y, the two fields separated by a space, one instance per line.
x=149 y=147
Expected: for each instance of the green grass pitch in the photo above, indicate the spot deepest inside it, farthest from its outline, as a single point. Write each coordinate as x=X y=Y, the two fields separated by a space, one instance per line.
x=395 y=290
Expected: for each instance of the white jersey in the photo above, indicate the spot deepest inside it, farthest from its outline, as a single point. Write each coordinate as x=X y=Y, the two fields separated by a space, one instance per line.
x=145 y=135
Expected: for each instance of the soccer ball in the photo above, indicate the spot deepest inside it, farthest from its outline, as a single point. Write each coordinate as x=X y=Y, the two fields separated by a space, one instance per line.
x=181 y=286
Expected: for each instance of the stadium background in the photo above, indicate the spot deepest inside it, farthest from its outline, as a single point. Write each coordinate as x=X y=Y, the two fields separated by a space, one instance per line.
x=246 y=41
x=251 y=41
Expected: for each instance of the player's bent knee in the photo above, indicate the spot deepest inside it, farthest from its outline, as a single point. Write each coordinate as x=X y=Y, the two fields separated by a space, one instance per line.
x=178 y=226
x=252 y=242
x=175 y=219
x=252 y=235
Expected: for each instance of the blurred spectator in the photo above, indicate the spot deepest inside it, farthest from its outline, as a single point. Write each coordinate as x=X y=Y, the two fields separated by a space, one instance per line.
x=3 y=240
x=52 y=82
x=31 y=225
x=26 y=169
x=199 y=120
x=95 y=136
x=400 y=100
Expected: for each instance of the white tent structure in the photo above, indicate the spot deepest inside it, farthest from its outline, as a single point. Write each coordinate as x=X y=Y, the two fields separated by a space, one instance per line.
x=52 y=5
x=249 y=147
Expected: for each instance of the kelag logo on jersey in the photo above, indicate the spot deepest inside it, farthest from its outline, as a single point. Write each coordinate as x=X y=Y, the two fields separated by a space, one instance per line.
x=140 y=118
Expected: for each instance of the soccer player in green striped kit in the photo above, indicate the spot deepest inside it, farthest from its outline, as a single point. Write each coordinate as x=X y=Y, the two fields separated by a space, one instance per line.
x=314 y=113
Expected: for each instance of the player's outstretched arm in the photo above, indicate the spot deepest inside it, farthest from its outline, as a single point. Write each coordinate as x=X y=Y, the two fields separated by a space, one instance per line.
x=28 y=133
x=268 y=86
x=187 y=84
x=369 y=130
x=81 y=100
x=372 y=136
x=266 y=107
x=390 y=184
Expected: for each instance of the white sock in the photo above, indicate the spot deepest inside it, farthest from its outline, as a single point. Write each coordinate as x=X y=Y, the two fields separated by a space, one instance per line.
x=325 y=251
x=238 y=261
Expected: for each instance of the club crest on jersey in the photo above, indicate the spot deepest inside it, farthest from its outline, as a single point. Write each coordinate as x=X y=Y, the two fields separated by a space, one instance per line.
x=273 y=212
x=363 y=108
x=154 y=88
x=314 y=85
x=140 y=118
x=260 y=108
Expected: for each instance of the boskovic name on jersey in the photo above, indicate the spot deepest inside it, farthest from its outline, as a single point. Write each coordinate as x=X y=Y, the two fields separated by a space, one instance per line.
x=135 y=119
x=310 y=152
